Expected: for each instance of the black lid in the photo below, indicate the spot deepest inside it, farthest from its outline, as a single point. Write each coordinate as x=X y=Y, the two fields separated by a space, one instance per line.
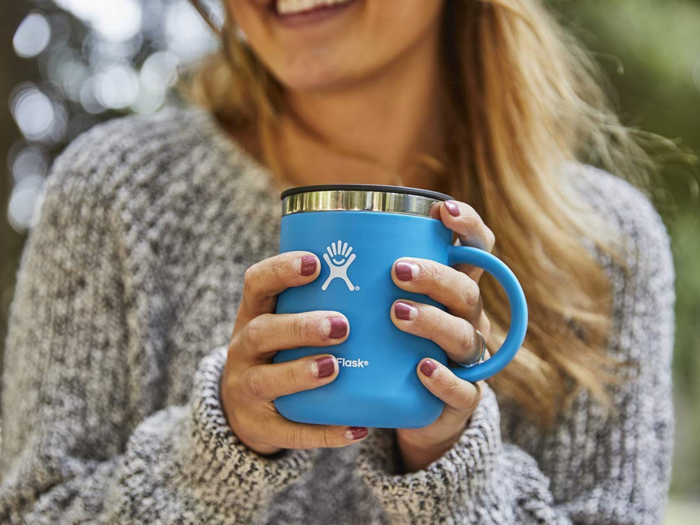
x=367 y=187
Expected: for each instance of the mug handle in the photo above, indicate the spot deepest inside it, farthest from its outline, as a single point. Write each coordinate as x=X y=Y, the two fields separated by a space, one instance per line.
x=518 y=307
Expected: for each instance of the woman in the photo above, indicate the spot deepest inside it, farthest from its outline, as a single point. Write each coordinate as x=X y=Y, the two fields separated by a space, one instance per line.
x=132 y=396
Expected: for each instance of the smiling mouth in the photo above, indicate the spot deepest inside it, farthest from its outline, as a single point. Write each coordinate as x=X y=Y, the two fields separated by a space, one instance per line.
x=298 y=9
x=338 y=262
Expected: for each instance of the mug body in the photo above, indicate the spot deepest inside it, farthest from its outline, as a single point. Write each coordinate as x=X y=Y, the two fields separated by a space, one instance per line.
x=377 y=384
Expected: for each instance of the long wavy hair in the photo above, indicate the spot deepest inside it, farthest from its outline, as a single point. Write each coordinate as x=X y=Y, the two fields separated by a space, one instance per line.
x=524 y=100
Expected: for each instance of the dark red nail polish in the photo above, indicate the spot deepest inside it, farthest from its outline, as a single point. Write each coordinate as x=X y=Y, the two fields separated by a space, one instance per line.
x=428 y=367
x=452 y=207
x=308 y=265
x=339 y=327
x=405 y=271
x=356 y=433
x=405 y=311
x=326 y=366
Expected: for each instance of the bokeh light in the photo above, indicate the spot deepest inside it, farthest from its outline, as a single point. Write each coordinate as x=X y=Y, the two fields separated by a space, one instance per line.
x=97 y=58
x=33 y=112
x=23 y=202
x=32 y=35
x=117 y=86
x=31 y=161
x=114 y=20
x=159 y=71
x=186 y=32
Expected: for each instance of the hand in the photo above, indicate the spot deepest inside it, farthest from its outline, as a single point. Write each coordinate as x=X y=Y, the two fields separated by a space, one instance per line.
x=251 y=382
x=454 y=331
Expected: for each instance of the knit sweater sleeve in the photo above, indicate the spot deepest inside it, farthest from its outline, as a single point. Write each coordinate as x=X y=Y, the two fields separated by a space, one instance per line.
x=622 y=472
x=80 y=444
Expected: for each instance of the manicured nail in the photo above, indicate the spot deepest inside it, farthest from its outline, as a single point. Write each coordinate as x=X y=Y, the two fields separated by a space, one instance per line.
x=406 y=271
x=405 y=311
x=428 y=368
x=453 y=208
x=334 y=327
x=324 y=366
x=305 y=265
x=354 y=433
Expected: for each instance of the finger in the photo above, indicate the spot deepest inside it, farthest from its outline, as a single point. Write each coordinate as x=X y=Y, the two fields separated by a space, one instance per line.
x=456 y=290
x=265 y=280
x=470 y=229
x=434 y=211
x=269 y=333
x=291 y=435
x=461 y=397
x=453 y=334
x=267 y=382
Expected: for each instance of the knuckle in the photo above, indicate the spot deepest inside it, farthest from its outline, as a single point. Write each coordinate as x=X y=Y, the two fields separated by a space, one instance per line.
x=254 y=384
x=432 y=274
x=470 y=217
x=281 y=268
x=426 y=320
x=328 y=437
x=249 y=275
x=467 y=400
x=450 y=391
x=490 y=238
x=254 y=332
x=292 y=377
x=472 y=293
x=467 y=338
x=295 y=438
x=250 y=278
x=300 y=327
x=458 y=396
x=235 y=343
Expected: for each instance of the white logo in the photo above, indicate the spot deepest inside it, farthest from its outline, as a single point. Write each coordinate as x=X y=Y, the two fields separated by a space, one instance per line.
x=339 y=260
x=352 y=363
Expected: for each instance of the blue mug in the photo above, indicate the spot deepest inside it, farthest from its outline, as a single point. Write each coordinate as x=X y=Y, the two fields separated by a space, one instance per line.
x=358 y=232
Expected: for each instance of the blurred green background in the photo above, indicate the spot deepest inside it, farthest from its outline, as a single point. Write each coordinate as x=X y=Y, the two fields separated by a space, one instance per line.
x=68 y=64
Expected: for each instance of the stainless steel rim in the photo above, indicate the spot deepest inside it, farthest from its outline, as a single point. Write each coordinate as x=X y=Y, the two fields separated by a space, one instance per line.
x=357 y=200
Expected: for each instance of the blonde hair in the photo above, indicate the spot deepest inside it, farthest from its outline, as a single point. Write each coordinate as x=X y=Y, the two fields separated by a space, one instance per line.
x=525 y=99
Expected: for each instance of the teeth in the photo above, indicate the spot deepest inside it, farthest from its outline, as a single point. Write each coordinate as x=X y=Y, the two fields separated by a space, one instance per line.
x=286 y=7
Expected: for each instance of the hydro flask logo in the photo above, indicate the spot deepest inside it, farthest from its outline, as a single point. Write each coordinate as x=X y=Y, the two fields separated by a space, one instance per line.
x=352 y=363
x=339 y=259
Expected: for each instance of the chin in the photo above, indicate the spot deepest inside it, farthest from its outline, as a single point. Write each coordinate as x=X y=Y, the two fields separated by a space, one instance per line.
x=307 y=79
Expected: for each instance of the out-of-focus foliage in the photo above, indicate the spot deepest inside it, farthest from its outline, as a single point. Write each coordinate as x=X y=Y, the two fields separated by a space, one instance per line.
x=96 y=60
x=78 y=62
x=651 y=53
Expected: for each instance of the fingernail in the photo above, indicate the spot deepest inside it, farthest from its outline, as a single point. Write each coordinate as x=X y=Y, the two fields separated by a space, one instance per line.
x=324 y=366
x=428 y=368
x=452 y=207
x=405 y=311
x=334 y=327
x=305 y=265
x=406 y=271
x=354 y=433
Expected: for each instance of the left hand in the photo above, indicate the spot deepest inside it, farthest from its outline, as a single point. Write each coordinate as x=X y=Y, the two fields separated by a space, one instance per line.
x=453 y=330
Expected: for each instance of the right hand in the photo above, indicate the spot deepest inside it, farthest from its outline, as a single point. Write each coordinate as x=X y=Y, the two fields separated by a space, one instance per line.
x=251 y=381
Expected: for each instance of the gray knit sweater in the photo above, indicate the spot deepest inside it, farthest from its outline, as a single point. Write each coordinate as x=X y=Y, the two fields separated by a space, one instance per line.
x=126 y=299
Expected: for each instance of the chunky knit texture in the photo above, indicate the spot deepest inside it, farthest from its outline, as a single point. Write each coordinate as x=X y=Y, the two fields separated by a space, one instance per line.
x=125 y=302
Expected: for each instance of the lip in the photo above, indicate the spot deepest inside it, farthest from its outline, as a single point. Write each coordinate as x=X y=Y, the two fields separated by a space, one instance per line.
x=316 y=15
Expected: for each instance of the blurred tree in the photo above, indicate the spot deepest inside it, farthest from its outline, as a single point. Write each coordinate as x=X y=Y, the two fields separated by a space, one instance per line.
x=77 y=63
x=14 y=70
x=651 y=53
